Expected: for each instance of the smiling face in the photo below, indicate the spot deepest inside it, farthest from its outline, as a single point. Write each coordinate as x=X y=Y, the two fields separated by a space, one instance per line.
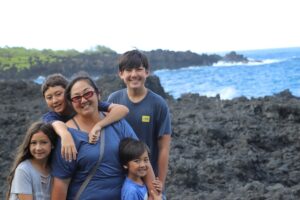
x=134 y=78
x=55 y=99
x=40 y=146
x=138 y=167
x=84 y=98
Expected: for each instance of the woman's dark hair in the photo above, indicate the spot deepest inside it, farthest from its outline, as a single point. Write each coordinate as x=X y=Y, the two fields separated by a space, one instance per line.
x=23 y=152
x=80 y=78
x=54 y=80
x=131 y=149
x=133 y=59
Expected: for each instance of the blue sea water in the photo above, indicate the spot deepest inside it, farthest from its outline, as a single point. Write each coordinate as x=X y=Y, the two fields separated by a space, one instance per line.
x=269 y=71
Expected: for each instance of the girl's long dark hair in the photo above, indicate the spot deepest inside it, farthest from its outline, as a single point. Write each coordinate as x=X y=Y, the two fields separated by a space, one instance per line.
x=23 y=152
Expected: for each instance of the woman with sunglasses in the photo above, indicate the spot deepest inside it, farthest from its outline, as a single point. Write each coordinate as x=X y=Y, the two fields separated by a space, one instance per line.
x=107 y=181
x=53 y=90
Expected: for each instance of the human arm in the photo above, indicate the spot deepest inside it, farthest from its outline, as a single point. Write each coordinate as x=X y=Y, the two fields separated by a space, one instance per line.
x=148 y=180
x=68 y=148
x=163 y=157
x=22 y=183
x=115 y=113
x=157 y=185
x=25 y=196
x=163 y=122
x=59 y=188
x=156 y=196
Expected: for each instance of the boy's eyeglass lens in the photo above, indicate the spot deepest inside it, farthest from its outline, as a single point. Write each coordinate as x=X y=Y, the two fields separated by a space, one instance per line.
x=86 y=95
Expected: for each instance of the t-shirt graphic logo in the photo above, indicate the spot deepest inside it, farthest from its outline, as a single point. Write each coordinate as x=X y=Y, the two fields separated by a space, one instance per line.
x=145 y=118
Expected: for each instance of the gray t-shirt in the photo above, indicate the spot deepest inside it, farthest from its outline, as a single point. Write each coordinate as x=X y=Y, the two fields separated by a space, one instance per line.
x=28 y=180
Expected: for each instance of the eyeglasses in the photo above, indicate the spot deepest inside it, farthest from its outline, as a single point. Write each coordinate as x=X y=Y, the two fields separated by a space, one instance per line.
x=87 y=95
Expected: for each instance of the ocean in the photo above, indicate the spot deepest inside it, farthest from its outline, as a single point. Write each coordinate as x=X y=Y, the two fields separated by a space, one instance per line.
x=269 y=72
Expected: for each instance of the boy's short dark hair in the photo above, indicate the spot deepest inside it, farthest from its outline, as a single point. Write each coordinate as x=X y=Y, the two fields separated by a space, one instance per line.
x=133 y=59
x=54 y=80
x=130 y=149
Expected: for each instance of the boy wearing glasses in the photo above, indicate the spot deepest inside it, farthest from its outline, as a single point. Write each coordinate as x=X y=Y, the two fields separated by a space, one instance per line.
x=53 y=90
x=149 y=114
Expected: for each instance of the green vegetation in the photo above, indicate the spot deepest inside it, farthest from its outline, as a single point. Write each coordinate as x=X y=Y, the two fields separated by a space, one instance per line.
x=99 y=49
x=21 y=58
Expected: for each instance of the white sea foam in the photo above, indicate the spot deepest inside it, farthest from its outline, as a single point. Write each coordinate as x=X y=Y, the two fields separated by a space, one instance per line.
x=252 y=62
x=225 y=93
x=228 y=93
x=39 y=80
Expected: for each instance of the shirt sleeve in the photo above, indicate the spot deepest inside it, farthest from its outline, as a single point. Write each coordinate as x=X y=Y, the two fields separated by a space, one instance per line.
x=103 y=106
x=109 y=98
x=163 y=120
x=126 y=129
x=113 y=97
x=50 y=117
x=61 y=168
x=22 y=182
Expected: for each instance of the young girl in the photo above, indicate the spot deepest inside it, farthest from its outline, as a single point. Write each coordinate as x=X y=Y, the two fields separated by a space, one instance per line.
x=134 y=157
x=30 y=177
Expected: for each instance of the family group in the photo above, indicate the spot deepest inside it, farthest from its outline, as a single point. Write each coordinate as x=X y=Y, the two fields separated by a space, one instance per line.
x=85 y=148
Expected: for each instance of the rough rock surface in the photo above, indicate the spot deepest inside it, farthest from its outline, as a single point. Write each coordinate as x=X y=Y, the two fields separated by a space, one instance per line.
x=221 y=149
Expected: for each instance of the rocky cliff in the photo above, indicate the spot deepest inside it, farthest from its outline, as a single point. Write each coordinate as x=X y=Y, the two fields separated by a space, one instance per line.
x=99 y=63
x=221 y=149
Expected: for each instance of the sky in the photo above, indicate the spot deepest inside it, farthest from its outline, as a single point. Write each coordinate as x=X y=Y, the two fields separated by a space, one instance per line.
x=201 y=26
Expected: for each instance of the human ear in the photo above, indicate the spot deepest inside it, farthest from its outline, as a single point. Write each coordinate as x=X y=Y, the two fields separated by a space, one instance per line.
x=147 y=72
x=121 y=74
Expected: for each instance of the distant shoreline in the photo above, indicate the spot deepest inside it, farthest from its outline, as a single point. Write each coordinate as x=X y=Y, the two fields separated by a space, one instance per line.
x=21 y=63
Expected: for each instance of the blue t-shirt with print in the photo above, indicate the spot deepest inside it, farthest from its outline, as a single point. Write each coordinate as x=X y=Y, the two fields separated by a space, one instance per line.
x=149 y=118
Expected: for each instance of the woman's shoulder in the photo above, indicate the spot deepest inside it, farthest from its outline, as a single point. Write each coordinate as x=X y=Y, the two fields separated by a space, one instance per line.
x=77 y=134
x=121 y=124
x=123 y=129
x=70 y=123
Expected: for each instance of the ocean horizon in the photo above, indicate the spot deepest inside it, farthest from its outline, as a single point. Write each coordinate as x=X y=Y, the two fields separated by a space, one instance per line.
x=269 y=71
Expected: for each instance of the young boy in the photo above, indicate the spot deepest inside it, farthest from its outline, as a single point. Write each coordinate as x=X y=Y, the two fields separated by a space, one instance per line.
x=53 y=90
x=149 y=114
x=134 y=157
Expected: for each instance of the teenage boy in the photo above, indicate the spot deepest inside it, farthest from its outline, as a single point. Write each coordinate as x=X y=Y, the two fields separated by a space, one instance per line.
x=148 y=112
